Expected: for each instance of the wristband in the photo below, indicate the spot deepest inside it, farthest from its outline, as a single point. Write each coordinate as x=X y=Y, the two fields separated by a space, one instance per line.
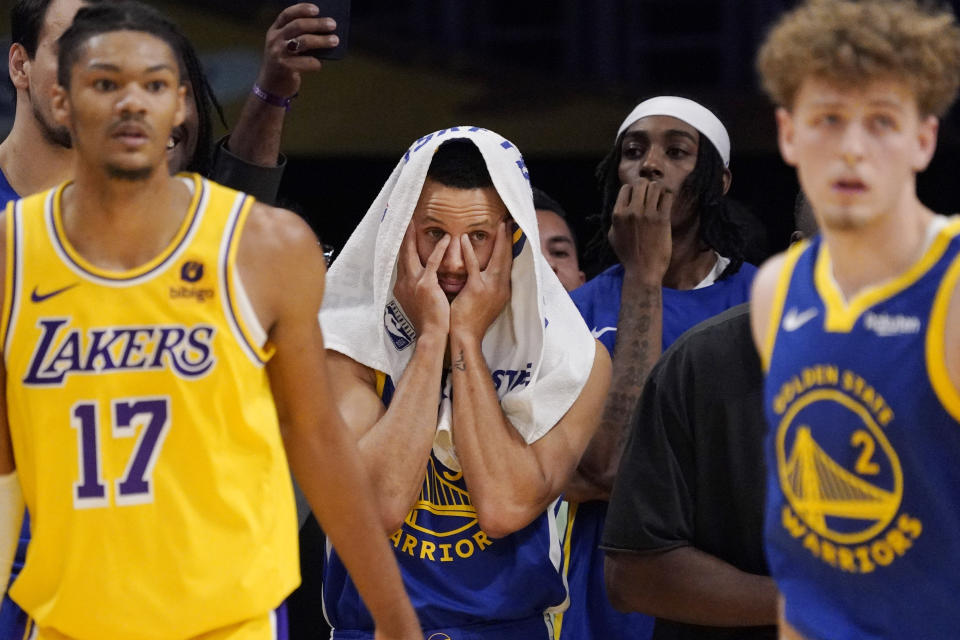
x=272 y=98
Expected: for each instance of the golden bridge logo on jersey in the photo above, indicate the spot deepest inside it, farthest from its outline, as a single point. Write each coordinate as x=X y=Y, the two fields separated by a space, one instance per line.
x=443 y=524
x=62 y=350
x=838 y=471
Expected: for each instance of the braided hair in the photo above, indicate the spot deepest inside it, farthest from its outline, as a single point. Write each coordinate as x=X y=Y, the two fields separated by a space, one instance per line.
x=703 y=188
x=202 y=160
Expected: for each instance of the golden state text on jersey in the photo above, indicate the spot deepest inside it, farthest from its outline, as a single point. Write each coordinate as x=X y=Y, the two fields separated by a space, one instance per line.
x=863 y=494
x=144 y=430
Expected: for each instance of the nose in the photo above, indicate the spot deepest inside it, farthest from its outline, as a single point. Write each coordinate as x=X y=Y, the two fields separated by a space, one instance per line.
x=852 y=143
x=452 y=262
x=130 y=100
x=652 y=166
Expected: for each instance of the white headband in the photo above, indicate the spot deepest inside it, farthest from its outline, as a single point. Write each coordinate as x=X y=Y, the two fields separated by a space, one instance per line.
x=694 y=114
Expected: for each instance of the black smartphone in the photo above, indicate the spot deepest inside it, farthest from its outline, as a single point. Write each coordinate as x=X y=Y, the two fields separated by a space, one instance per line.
x=339 y=10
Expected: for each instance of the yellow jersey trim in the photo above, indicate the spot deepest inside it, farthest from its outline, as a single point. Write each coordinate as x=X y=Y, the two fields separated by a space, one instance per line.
x=841 y=316
x=937 y=370
x=78 y=262
x=568 y=533
x=381 y=383
x=779 y=298
x=261 y=353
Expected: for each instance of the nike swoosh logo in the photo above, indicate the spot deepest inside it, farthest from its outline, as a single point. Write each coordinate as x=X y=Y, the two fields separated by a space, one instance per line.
x=40 y=297
x=599 y=332
x=794 y=319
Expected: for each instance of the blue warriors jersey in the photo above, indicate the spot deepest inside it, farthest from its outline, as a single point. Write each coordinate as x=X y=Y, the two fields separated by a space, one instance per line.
x=590 y=614
x=144 y=431
x=463 y=584
x=863 y=492
x=12 y=618
x=7 y=194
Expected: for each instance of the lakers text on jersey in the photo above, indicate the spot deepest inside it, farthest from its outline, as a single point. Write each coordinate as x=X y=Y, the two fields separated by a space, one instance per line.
x=144 y=431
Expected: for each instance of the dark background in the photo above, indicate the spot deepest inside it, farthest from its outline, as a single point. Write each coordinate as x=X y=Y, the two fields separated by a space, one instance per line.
x=555 y=77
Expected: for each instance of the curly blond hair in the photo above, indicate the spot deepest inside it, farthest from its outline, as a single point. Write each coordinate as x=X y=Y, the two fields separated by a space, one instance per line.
x=855 y=42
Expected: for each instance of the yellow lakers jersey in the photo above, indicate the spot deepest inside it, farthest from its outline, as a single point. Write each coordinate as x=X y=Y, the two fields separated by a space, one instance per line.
x=144 y=430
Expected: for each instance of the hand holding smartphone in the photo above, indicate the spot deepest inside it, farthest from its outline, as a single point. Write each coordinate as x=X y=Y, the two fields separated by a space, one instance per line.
x=339 y=10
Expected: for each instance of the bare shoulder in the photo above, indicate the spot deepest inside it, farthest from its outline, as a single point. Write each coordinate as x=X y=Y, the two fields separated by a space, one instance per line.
x=272 y=233
x=277 y=247
x=762 y=297
x=355 y=391
x=344 y=368
x=951 y=334
x=584 y=415
x=602 y=370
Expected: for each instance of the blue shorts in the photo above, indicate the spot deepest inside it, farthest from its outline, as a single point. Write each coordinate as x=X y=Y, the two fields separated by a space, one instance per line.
x=537 y=628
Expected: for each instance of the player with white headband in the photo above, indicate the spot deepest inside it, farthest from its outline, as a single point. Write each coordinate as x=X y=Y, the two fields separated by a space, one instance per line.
x=674 y=258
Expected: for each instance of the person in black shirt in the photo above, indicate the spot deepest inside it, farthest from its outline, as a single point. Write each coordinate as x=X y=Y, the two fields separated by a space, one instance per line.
x=683 y=534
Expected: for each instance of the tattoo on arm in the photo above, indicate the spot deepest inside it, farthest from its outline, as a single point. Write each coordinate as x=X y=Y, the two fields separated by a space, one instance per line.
x=460 y=364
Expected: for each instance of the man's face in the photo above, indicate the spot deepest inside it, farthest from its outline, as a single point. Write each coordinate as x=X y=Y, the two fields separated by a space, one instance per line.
x=183 y=141
x=661 y=149
x=124 y=100
x=857 y=150
x=444 y=210
x=43 y=68
x=558 y=247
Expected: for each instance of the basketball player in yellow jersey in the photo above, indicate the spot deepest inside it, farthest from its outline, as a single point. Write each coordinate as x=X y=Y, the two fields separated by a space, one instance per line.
x=159 y=335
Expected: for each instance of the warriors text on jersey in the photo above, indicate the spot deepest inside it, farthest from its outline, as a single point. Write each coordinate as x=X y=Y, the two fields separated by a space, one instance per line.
x=863 y=488
x=144 y=431
x=459 y=579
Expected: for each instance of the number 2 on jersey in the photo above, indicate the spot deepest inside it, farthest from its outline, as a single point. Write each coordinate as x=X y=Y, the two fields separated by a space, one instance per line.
x=148 y=416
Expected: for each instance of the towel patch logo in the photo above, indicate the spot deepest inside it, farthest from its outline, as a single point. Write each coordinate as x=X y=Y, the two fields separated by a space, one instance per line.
x=398 y=326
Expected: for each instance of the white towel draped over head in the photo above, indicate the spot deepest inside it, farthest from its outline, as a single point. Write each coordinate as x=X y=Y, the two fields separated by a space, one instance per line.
x=539 y=350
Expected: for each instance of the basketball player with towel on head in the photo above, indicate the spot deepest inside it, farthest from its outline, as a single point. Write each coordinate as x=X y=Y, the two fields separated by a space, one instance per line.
x=473 y=387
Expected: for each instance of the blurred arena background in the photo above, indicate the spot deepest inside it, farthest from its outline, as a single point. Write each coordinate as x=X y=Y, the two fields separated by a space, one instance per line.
x=556 y=77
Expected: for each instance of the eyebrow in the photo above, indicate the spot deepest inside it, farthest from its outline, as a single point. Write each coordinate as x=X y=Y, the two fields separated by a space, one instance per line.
x=106 y=66
x=881 y=102
x=560 y=238
x=669 y=133
x=435 y=220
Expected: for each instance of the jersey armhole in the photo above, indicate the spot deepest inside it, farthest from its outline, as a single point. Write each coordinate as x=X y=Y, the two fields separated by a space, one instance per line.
x=779 y=299
x=381 y=383
x=237 y=308
x=936 y=353
x=566 y=550
x=11 y=279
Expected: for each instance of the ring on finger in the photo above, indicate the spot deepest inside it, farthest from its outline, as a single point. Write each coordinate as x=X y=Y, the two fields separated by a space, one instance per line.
x=293 y=45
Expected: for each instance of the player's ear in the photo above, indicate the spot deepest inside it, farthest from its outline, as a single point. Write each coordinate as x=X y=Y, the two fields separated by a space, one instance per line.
x=727 y=180
x=926 y=142
x=60 y=106
x=785 y=135
x=18 y=66
x=181 y=113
